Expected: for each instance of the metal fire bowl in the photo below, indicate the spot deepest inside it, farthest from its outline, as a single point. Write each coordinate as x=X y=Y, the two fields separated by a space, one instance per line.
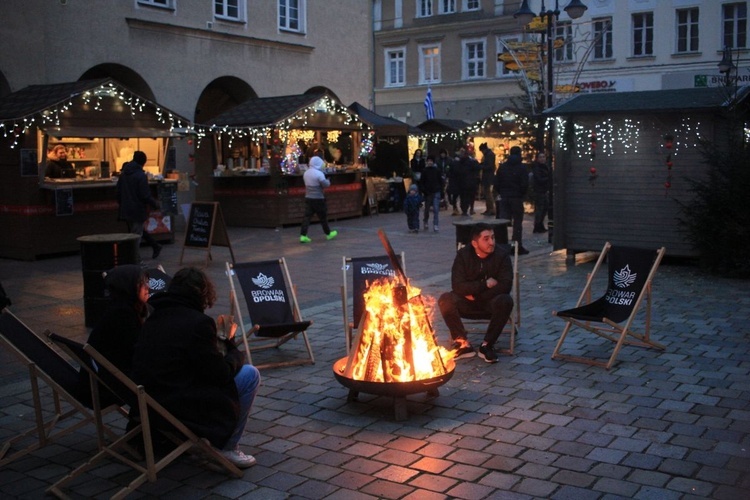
x=395 y=389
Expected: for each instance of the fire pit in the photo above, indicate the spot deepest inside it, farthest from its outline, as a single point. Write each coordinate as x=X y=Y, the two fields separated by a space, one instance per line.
x=397 y=390
x=395 y=353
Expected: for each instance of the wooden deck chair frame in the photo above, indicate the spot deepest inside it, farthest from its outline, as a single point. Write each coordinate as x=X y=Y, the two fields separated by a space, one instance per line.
x=249 y=334
x=45 y=366
x=346 y=263
x=183 y=438
x=514 y=322
x=619 y=333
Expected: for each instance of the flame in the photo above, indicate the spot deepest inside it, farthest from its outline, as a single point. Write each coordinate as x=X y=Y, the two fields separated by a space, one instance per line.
x=396 y=342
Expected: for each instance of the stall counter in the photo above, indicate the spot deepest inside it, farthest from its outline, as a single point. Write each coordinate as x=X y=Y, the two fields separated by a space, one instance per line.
x=259 y=200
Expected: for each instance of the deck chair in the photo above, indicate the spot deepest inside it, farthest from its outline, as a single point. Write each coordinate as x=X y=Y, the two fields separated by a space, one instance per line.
x=274 y=313
x=152 y=418
x=363 y=269
x=475 y=321
x=630 y=274
x=158 y=279
x=47 y=366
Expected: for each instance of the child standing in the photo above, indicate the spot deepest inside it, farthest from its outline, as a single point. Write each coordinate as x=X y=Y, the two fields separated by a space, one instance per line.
x=411 y=207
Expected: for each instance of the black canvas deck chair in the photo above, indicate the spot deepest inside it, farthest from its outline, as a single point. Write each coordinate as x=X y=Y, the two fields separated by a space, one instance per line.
x=274 y=313
x=630 y=274
x=46 y=366
x=152 y=418
x=363 y=270
x=479 y=321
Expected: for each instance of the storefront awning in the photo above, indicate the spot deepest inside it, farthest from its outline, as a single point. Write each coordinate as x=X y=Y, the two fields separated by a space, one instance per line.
x=652 y=101
x=88 y=108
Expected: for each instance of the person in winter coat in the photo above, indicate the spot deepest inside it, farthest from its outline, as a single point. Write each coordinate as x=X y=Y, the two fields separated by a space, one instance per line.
x=119 y=328
x=540 y=176
x=511 y=184
x=417 y=165
x=443 y=164
x=455 y=182
x=315 y=199
x=469 y=169
x=134 y=198
x=481 y=280
x=58 y=165
x=431 y=186
x=177 y=360
x=412 y=202
x=488 y=177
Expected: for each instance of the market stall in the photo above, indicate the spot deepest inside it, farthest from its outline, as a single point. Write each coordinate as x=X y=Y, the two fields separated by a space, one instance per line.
x=262 y=148
x=99 y=123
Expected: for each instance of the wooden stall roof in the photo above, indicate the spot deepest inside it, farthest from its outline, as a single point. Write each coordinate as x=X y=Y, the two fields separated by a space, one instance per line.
x=89 y=108
x=653 y=101
x=270 y=111
x=438 y=125
x=383 y=125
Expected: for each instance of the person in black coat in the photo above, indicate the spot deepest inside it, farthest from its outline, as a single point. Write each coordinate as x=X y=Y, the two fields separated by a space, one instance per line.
x=178 y=361
x=117 y=332
x=488 y=177
x=481 y=281
x=58 y=166
x=511 y=184
x=431 y=186
x=540 y=176
x=134 y=198
x=417 y=165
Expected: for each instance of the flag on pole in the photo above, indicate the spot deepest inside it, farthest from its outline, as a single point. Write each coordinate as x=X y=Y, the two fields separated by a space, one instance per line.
x=429 y=110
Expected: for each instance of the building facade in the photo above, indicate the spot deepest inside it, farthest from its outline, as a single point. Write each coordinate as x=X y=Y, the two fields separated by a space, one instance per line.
x=456 y=48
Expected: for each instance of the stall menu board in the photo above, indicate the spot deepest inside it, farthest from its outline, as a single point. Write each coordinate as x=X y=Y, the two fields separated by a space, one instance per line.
x=64 y=201
x=168 y=197
x=205 y=227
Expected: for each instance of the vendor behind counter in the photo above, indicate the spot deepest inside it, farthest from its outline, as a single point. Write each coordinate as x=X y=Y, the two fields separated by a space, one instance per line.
x=58 y=165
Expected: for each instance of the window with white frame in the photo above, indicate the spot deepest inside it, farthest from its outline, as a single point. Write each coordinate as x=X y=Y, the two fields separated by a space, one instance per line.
x=165 y=4
x=447 y=6
x=734 y=18
x=687 y=30
x=474 y=62
x=292 y=15
x=602 y=38
x=563 y=35
x=230 y=10
x=643 y=34
x=502 y=48
x=429 y=63
x=471 y=5
x=395 y=67
x=424 y=8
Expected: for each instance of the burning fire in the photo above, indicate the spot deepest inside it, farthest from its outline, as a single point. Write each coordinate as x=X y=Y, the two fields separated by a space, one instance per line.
x=396 y=341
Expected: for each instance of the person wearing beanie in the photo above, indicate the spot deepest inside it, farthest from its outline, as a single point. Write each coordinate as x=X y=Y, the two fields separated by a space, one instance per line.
x=134 y=198
x=511 y=184
x=315 y=199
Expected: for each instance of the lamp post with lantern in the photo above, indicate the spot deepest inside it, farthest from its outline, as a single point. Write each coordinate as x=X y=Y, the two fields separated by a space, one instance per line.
x=524 y=16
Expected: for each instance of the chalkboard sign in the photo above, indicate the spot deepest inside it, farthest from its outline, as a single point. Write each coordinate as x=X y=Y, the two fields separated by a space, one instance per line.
x=168 y=197
x=205 y=227
x=64 y=201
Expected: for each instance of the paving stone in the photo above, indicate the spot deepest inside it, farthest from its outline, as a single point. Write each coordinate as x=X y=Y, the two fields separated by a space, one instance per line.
x=536 y=488
x=625 y=489
x=433 y=482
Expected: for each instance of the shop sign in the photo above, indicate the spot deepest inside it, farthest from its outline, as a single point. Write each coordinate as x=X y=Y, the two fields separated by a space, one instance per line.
x=604 y=85
x=719 y=80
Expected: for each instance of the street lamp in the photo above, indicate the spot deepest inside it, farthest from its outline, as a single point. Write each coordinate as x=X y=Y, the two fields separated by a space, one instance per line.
x=726 y=66
x=524 y=16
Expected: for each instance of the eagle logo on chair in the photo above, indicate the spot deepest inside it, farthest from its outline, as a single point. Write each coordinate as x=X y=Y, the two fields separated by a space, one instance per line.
x=263 y=281
x=624 y=277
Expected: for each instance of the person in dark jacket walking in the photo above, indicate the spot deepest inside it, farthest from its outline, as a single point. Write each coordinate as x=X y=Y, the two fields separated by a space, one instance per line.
x=481 y=281
x=468 y=170
x=540 y=176
x=431 y=186
x=178 y=361
x=488 y=178
x=511 y=184
x=134 y=198
x=455 y=182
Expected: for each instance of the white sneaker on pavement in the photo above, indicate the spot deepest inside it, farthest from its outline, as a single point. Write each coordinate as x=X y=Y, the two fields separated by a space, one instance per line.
x=238 y=458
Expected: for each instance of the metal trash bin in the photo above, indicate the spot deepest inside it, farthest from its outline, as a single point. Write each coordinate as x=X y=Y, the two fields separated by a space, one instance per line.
x=100 y=253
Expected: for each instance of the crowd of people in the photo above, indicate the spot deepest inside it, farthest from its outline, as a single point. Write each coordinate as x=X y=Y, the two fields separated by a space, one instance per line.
x=456 y=182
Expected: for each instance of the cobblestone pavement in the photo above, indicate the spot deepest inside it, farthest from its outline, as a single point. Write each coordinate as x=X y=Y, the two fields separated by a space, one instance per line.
x=661 y=425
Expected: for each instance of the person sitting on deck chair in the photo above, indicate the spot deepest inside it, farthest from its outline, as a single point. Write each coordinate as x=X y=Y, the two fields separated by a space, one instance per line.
x=481 y=281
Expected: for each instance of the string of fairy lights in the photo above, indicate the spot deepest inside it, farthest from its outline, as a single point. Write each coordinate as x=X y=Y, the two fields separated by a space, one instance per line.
x=51 y=117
